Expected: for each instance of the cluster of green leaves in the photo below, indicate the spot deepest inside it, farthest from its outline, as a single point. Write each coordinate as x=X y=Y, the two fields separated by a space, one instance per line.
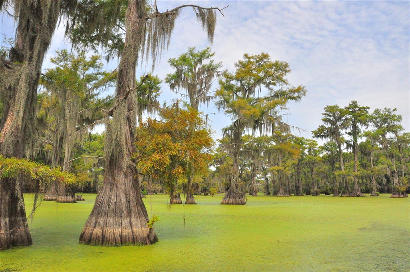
x=11 y=168
x=194 y=73
x=152 y=221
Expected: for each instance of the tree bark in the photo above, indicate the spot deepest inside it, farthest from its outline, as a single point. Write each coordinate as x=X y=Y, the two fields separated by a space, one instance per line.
x=189 y=192
x=235 y=194
x=267 y=187
x=119 y=216
x=282 y=189
x=356 y=189
x=19 y=81
x=253 y=189
x=298 y=181
x=51 y=193
x=175 y=198
x=64 y=195
x=374 y=183
x=14 y=230
x=396 y=193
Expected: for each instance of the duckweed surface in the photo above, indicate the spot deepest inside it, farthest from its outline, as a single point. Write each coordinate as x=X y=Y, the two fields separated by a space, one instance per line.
x=268 y=234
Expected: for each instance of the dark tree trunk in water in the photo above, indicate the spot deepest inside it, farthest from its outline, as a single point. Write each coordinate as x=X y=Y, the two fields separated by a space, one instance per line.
x=189 y=192
x=64 y=195
x=13 y=223
x=175 y=198
x=282 y=186
x=396 y=193
x=315 y=191
x=336 y=187
x=298 y=183
x=51 y=193
x=282 y=190
x=345 y=187
x=235 y=194
x=356 y=187
x=374 y=183
x=119 y=216
x=253 y=189
x=267 y=189
x=18 y=83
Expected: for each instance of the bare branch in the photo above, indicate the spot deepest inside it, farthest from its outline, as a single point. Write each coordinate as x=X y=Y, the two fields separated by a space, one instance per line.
x=174 y=10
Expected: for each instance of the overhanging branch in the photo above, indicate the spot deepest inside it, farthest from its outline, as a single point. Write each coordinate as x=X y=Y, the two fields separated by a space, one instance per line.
x=174 y=10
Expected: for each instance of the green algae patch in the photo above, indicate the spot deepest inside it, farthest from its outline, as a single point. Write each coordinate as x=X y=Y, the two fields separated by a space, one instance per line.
x=306 y=233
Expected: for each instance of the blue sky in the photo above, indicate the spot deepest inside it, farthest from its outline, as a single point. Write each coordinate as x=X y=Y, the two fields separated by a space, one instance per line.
x=340 y=51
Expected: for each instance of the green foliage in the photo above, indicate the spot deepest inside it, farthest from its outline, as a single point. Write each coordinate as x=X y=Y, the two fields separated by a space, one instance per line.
x=194 y=72
x=147 y=93
x=255 y=92
x=70 y=103
x=12 y=168
x=152 y=221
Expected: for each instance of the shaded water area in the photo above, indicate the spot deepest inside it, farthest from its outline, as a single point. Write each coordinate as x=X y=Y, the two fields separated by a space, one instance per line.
x=268 y=234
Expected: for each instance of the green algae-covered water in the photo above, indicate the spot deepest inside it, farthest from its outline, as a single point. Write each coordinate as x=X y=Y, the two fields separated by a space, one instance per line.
x=268 y=234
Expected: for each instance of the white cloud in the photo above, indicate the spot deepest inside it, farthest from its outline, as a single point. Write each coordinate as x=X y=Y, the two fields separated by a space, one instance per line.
x=339 y=50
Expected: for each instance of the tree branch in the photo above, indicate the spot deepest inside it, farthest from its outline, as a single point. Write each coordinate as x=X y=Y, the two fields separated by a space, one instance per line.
x=174 y=10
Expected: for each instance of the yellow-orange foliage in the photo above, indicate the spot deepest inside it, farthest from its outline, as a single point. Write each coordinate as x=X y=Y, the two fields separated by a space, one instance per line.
x=174 y=147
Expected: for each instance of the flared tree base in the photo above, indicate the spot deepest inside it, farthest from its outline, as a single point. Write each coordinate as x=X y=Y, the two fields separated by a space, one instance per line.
x=14 y=230
x=190 y=200
x=234 y=198
x=79 y=198
x=374 y=194
x=50 y=198
x=119 y=216
x=175 y=199
x=66 y=199
x=399 y=195
x=233 y=201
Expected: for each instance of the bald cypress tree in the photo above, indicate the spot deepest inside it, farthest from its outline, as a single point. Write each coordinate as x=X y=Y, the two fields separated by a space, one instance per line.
x=252 y=95
x=194 y=72
x=19 y=75
x=334 y=123
x=119 y=216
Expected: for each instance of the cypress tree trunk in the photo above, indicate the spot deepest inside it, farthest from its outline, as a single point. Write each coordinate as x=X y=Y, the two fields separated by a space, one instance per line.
x=64 y=195
x=51 y=193
x=345 y=187
x=356 y=189
x=189 y=192
x=298 y=182
x=175 y=198
x=374 y=183
x=282 y=189
x=267 y=187
x=119 y=216
x=396 y=193
x=235 y=194
x=253 y=189
x=18 y=82
x=281 y=177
